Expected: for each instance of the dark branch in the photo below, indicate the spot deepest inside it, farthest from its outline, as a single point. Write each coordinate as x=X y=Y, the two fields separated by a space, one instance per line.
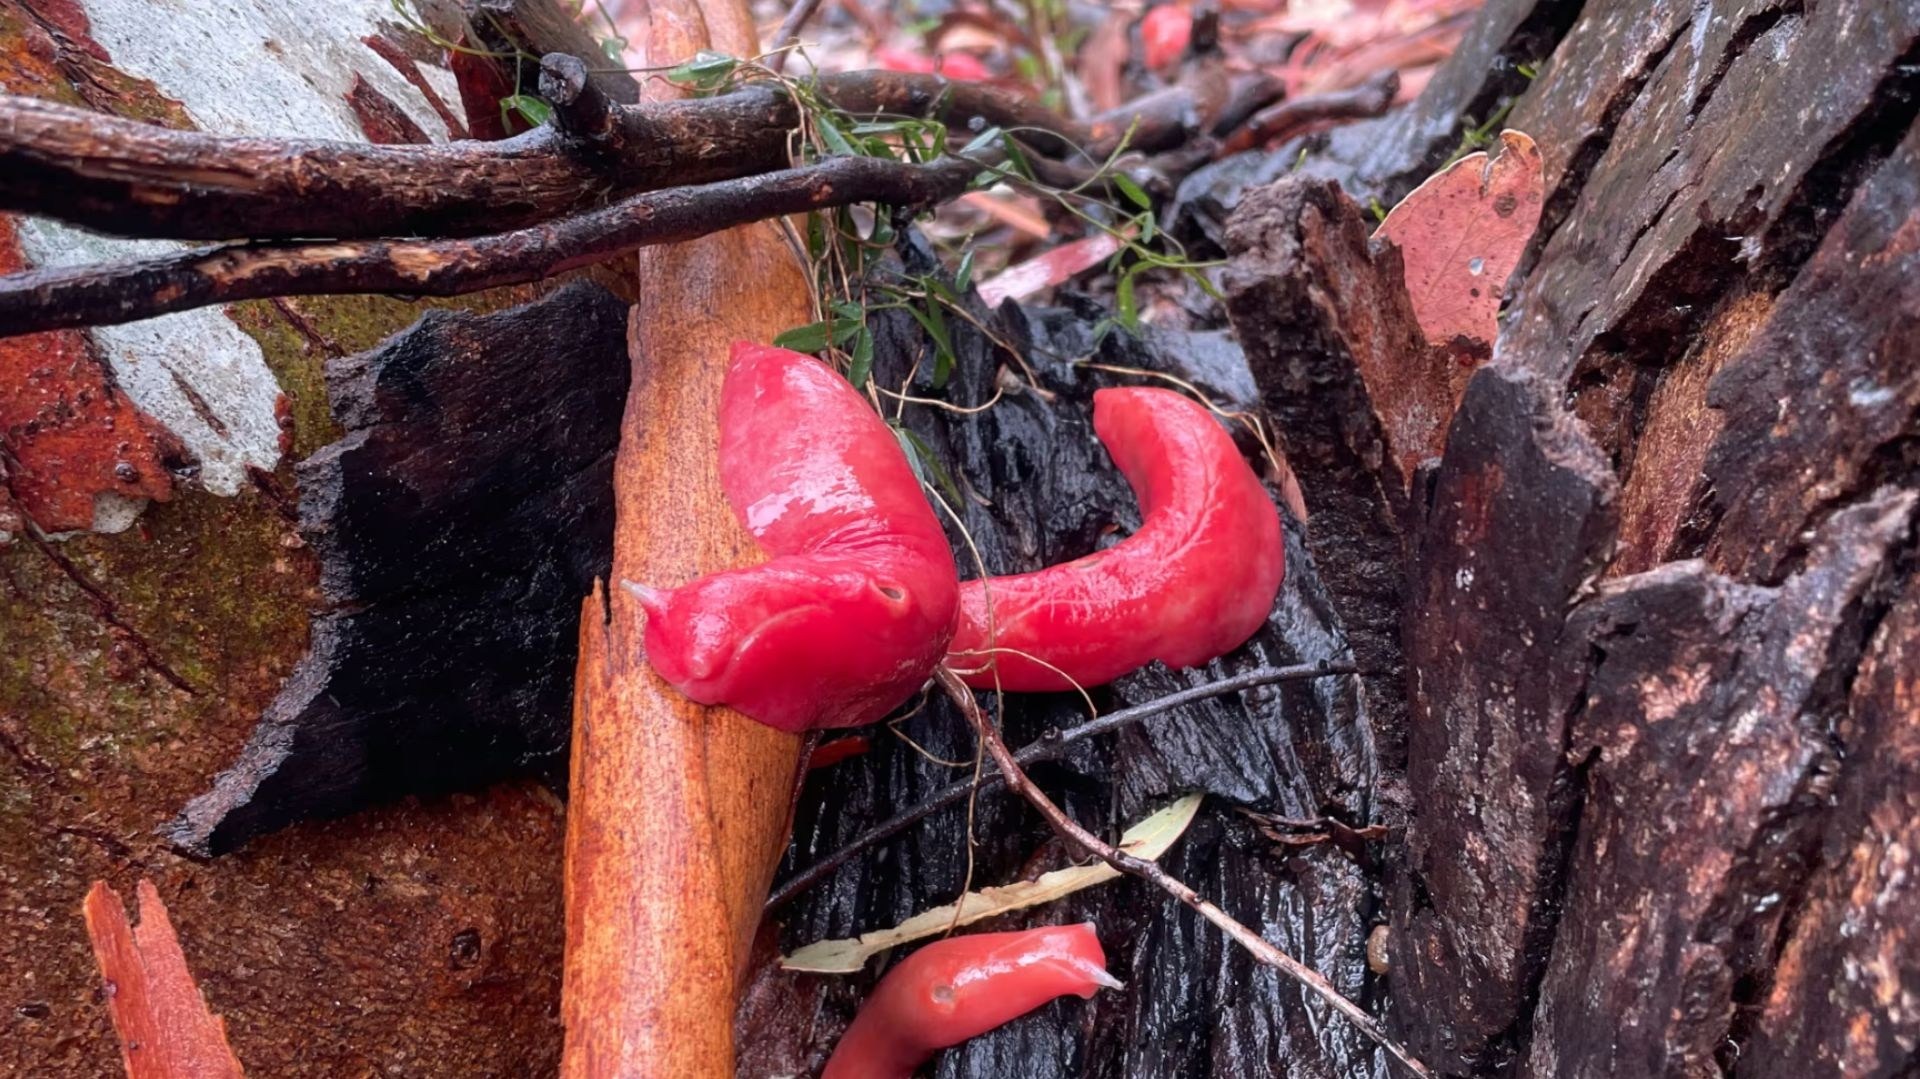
x=131 y=179
x=1044 y=750
x=102 y=295
x=1075 y=836
x=581 y=110
x=1290 y=118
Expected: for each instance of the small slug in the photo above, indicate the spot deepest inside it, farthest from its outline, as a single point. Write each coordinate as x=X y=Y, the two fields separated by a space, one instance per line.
x=1193 y=583
x=962 y=987
x=857 y=604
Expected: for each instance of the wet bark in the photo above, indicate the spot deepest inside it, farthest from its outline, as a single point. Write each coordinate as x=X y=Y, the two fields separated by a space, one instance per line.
x=1653 y=579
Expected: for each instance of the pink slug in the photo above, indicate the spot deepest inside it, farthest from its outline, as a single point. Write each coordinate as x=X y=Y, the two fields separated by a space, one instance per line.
x=962 y=987
x=1193 y=583
x=857 y=603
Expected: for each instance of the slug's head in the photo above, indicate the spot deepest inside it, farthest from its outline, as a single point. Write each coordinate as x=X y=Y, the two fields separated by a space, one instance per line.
x=798 y=643
x=975 y=983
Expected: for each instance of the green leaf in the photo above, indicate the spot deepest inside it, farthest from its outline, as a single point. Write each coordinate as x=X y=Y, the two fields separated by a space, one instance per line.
x=809 y=338
x=1017 y=157
x=835 y=139
x=614 y=47
x=1123 y=300
x=964 y=275
x=862 y=358
x=1147 y=839
x=1132 y=190
x=980 y=142
x=932 y=320
x=528 y=107
x=706 y=71
x=922 y=459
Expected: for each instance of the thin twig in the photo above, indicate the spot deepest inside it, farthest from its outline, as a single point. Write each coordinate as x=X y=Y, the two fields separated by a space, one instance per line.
x=99 y=295
x=789 y=33
x=1047 y=748
x=1289 y=118
x=1070 y=830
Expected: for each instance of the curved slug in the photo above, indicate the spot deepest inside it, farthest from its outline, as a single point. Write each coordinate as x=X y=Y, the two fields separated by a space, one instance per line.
x=961 y=987
x=1193 y=583
x=857 y=604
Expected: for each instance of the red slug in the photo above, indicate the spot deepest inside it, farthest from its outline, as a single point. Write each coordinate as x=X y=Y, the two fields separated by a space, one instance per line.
x=960 y=987
x=1193 y=583
x=856 y=606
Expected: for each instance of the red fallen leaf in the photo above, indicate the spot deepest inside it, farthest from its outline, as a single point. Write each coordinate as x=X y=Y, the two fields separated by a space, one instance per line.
x=1166 y=30
x=1101 y=60
x=71 y=433
x=961 y=66
x=1460 y=235
x=1048 y=269
x=166 y=1031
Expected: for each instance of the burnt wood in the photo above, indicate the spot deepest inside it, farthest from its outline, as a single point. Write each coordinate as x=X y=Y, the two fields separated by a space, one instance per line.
x=1321 y=323
x=1518 y=524
x=1705 y=725
x=459 y=520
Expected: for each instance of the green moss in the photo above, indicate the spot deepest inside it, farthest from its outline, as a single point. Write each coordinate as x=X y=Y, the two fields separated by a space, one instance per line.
x=209 y=587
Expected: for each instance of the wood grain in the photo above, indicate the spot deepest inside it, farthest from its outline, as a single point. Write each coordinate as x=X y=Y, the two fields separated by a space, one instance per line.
x=679 y=812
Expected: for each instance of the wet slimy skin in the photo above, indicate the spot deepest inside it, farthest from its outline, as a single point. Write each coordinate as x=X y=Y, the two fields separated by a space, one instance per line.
x=857 y=604
x=1195 y=581
x=962 y=987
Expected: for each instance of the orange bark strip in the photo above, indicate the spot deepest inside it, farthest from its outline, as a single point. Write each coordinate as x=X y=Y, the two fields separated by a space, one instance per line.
x=166 y=1031
x=678 y=813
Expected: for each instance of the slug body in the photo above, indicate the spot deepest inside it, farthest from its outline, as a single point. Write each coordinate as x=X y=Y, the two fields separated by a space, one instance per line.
x=1195 y=581
x=856 y=606
x=961 y=987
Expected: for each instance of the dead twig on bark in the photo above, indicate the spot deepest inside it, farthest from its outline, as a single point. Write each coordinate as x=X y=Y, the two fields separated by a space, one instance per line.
x=1070 y=831
x=128 y=178
x=1050 y=747
x=39 y=300
x=1290 y=118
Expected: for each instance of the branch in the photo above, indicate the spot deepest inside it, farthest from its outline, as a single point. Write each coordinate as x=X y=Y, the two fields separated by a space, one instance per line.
x=1076 y=836
x=788 y=35
x=1290 y=118
x=39 y=300
x=1048 y=748
x=132 y=179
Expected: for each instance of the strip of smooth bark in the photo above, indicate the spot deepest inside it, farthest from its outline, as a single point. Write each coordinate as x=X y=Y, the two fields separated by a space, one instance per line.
x=1289 y=118
x=101 y=295
x=132 y=179
x=678 y=813
x=165 y=1029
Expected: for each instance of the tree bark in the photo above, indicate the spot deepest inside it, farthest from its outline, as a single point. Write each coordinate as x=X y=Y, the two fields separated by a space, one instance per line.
x=678 y=812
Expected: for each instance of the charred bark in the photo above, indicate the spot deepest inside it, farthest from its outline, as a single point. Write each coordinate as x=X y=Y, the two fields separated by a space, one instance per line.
x=456 y=538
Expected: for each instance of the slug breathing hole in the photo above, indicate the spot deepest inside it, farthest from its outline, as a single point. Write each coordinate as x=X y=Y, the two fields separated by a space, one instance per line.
x=942 y=993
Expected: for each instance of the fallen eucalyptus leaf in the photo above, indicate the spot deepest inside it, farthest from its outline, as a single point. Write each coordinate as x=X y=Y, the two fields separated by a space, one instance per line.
x=1148 y=839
